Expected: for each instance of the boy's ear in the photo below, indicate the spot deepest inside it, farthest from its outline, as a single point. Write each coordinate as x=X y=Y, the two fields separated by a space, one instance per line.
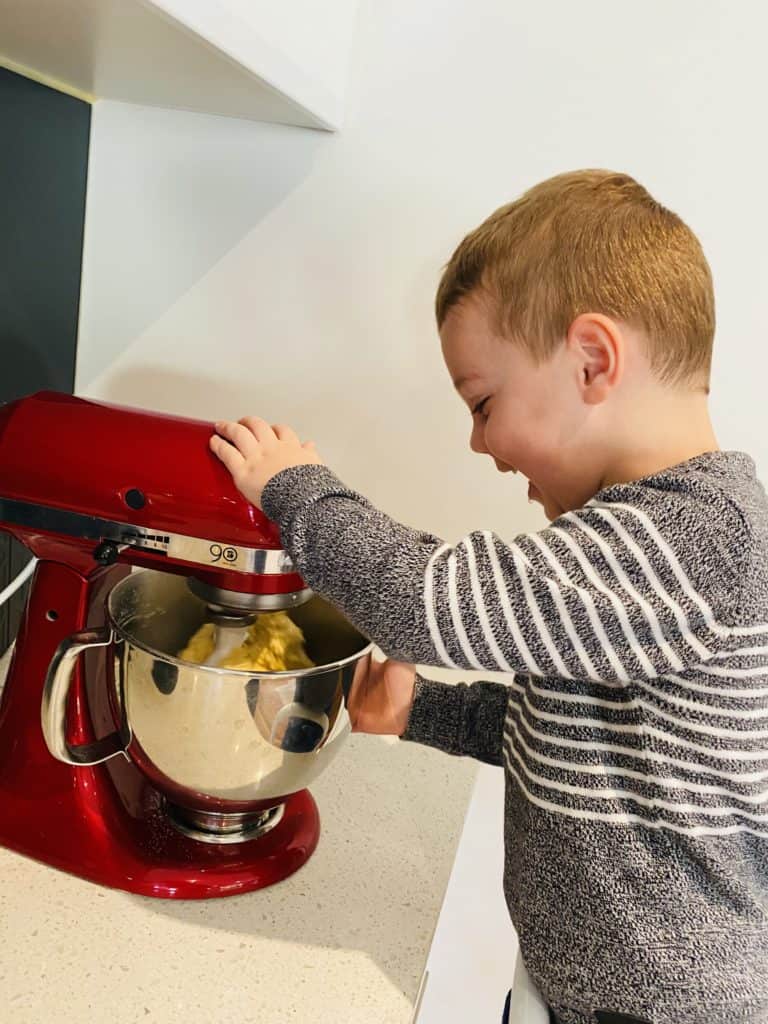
x=597 y=346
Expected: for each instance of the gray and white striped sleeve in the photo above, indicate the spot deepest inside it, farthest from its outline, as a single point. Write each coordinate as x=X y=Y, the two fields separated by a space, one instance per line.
x=600 y=594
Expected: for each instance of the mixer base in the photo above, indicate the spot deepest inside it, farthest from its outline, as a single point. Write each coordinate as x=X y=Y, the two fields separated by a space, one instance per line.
x=144 y=852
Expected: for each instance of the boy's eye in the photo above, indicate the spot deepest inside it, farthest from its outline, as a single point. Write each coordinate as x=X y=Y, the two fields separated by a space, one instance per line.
x=480 y=408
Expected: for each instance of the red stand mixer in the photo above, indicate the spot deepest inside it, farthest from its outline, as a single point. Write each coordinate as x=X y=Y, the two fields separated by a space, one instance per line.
x=118 y=761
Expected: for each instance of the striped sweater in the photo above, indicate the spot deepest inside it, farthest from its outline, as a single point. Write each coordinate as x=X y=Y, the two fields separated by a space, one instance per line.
x=633 y=729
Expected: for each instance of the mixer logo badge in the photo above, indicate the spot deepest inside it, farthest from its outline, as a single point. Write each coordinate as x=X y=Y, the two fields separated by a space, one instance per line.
x=225 y=554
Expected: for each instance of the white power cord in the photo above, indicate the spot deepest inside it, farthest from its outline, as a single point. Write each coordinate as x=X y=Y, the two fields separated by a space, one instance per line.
x=16 y=584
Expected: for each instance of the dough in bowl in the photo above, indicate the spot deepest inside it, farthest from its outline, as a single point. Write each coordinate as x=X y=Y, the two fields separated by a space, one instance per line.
x=273 y=643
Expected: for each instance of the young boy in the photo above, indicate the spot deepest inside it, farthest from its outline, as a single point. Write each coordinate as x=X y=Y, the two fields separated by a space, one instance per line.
x=577 y=326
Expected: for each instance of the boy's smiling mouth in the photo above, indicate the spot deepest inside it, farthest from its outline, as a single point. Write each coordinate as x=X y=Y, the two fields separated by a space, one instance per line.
x=533 y=492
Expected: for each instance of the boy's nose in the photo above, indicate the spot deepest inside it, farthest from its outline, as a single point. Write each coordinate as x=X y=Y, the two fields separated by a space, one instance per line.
x=477 y=441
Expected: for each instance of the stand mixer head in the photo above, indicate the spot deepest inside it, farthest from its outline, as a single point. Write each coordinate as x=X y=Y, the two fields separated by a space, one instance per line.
x=162 y=772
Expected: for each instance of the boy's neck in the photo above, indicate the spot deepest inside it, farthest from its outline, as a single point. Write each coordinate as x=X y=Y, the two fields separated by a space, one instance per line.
x=663 y=435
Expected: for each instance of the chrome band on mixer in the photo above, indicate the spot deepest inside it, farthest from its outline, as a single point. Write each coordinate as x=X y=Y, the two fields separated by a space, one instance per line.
x=263 y=561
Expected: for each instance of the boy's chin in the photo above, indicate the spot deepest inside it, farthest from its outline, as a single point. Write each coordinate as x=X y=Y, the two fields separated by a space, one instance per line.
x=551 y=510
x=556 y=512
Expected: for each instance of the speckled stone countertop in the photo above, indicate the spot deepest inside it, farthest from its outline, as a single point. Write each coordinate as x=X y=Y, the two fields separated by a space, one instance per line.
x=343 y=941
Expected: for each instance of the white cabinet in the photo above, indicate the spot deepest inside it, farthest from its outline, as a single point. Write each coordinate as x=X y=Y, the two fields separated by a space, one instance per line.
x=263 y=61
x=471 y=961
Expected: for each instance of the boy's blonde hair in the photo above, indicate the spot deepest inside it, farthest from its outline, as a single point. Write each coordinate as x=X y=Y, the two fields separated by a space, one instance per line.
x=591 y=241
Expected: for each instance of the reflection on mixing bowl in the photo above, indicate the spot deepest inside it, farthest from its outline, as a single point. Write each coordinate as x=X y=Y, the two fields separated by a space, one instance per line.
x=223 y=735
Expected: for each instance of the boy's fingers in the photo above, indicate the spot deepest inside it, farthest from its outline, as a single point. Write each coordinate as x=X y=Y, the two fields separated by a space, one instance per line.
x=228 y=454
x=259 y=428
x=238 y=435
x=358 y=694
x=285 y=433
x=353 y=699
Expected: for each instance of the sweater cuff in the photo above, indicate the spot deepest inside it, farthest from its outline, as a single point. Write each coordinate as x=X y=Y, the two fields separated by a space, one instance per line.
x=292 y=489
x=436 y=714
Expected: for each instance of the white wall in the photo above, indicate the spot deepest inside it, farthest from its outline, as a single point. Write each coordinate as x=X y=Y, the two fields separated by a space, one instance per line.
x=317 y=36
x=234 y=268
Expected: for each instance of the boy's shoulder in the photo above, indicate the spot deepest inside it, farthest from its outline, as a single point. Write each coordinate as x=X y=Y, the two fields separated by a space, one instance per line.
x=700 y=527
x=715 y=491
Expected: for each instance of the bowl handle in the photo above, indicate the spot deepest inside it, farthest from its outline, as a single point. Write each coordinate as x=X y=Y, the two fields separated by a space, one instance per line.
x=53 y=711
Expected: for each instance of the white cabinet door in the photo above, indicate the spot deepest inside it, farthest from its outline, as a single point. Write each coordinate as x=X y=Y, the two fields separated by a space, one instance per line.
x=471 y=961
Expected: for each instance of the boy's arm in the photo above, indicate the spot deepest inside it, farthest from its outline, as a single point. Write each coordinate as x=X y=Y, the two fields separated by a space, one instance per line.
x=393 y=699
x=465 y=720
x=598 y=595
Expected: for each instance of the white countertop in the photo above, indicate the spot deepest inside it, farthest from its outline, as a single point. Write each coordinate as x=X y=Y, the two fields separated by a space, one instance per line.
x=344 y=940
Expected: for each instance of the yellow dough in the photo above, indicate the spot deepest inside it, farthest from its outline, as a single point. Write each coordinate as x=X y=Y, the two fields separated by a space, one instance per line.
x=272 y=644
x=200 y=645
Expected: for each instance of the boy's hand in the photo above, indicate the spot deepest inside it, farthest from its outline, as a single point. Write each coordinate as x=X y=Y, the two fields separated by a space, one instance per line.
x=254 y=452
x=380 y=701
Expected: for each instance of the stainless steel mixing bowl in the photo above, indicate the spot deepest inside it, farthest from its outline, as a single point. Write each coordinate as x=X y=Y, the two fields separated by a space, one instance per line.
x=217 y=741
